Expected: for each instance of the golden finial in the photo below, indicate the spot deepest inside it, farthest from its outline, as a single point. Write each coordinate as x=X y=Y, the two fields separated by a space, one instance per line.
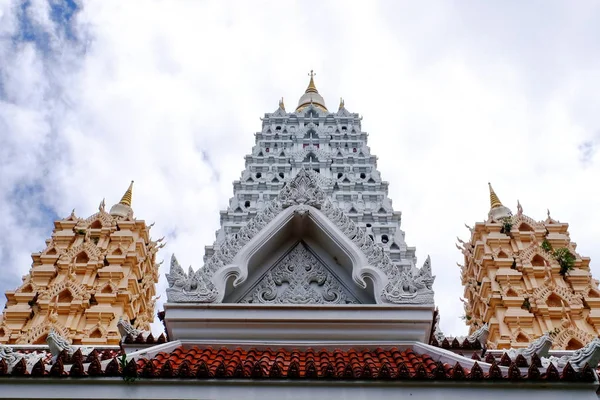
x=281 y=105
x=494 y=200
x=341 y=103
x=311 y=85
x=126 y=199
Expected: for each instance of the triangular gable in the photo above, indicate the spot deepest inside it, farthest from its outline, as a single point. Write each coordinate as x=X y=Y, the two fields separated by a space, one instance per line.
x=301 y=198
x=300 y=277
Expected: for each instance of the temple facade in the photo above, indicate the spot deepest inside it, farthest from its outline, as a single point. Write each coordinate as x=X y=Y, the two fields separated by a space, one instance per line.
x=93 y=272
x=309 y=291
x=524 y=278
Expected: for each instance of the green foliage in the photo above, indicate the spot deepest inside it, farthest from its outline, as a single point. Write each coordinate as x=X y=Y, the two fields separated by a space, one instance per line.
x=566 y=259
x=547 y=246
x=506 y=225
x=526 y=305
x=81 y=231
x=562 y=255
x=123 y=364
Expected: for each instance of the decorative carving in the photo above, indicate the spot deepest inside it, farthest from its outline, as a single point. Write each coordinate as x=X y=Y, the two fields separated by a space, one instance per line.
x=11 y=357
x=299 y=278
x=302 y=190
x=92 y=251
x=540 y=347
x=190 y=287
x=564 y=335
x=480 y=335
x=58 y=343
x=411 y=286
x=588 y=355
x=126 y=329
x=79 y=292
x=437 y=330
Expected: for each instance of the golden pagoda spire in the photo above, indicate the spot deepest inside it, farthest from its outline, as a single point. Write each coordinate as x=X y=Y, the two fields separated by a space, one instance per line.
x=341 y=103
x=311 y=85
x=126 y=199
x=494 y=200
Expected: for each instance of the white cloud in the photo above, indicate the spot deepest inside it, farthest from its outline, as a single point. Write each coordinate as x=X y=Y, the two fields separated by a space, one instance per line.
x=452 y=96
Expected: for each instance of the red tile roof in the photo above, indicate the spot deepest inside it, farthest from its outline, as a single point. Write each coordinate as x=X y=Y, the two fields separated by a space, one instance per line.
x=337 y=364
x=368 y=364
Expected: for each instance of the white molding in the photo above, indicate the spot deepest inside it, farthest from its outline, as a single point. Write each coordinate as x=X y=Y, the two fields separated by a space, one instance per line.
x=290 y=323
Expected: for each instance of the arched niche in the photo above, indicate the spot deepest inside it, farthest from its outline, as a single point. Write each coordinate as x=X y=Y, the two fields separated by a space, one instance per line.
x=65 y=296
x=82 y=258
x=521 y=338
x=554 y=300
x=573 y=344
x=538 y=261
x=525 y=227
x=96 y=224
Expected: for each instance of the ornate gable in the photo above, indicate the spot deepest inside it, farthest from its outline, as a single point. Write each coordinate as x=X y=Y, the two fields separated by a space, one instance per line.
x=302 y=199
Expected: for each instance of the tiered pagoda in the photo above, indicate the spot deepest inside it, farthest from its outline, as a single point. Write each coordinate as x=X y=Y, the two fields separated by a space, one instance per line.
x=524 y=278
x=93 y=272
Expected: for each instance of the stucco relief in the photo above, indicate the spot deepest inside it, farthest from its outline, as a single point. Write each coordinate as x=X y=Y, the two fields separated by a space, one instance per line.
x=300 y=278
x=402 y=286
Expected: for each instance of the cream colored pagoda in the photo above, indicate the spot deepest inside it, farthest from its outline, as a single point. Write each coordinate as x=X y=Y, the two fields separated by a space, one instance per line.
x=92 y=272
x=525 y=278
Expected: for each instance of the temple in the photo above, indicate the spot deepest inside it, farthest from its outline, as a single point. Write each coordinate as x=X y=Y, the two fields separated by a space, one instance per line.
x=92 y=272
x=308 y=291
x=524 y=278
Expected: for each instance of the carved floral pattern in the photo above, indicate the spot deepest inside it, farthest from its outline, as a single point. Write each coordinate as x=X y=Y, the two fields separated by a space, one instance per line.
x=299 y=278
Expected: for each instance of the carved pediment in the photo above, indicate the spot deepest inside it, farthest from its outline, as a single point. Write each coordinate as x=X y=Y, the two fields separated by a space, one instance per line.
x=302 y=203
x=299 y=278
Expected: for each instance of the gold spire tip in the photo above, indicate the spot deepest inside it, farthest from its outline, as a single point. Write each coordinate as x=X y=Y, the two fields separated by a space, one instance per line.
x=126 y=199
x=311 y=85
x=494 y=200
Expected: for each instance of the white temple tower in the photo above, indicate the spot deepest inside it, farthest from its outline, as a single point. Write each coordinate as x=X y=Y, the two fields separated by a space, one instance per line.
x=332 y=144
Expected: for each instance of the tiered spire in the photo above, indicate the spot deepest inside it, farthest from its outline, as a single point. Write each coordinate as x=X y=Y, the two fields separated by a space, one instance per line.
x=494 y=200
x=123 y=207
x=311 y=96
x=497 y=209
x=311 y=85
x=126 y=199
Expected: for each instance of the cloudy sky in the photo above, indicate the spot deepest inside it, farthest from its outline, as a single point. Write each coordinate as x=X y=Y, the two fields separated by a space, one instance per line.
x=454 y=94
